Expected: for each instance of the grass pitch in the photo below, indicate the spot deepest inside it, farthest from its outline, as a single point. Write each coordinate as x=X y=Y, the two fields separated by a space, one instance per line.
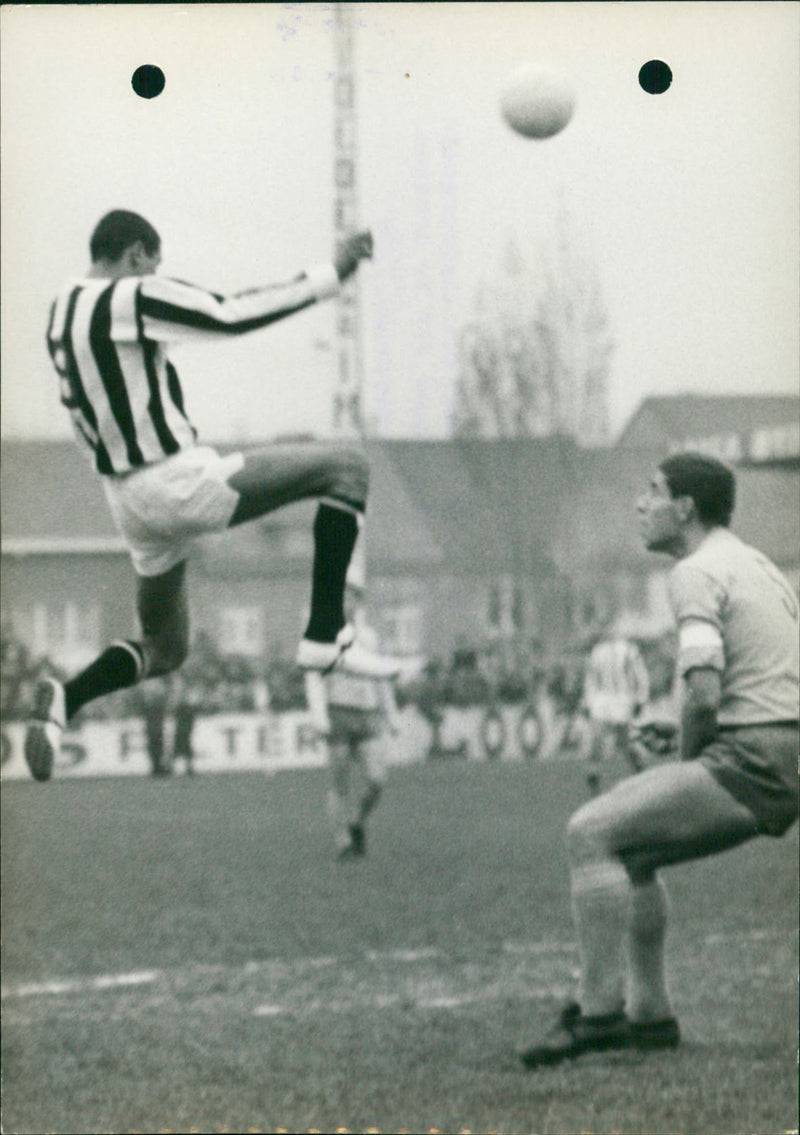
x=187 y=955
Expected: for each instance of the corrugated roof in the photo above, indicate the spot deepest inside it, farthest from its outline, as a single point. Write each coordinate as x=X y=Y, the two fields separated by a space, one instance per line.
x=399 y=530
x=597 y=528
x=767 y=513
x=438 y=479
x=49 y=489
x=526 y=482
x=697 y=415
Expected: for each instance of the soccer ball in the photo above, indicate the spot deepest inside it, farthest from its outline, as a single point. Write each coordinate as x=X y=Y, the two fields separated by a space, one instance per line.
x=537 y=103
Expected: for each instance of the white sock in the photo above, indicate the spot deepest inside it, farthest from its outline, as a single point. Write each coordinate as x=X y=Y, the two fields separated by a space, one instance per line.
x=647 y=997
x=601 y=902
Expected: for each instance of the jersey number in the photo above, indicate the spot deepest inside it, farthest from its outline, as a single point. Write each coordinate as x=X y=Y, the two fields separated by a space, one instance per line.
x=69 y=393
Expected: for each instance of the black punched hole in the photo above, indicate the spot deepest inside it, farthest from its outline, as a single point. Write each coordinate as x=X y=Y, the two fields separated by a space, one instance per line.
x=148 y=81
x=655 y=77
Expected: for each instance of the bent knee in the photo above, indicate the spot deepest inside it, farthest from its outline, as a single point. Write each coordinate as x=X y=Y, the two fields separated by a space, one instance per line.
x=588 y=837
x=163 y=656
x=349 y=475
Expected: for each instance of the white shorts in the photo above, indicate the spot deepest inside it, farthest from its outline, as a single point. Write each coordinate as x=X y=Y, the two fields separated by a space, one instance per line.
x=358 y=734
x=161 y=508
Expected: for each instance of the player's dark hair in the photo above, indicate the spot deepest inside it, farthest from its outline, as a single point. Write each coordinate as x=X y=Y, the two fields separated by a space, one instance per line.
x=709 y=483
x=117 y=231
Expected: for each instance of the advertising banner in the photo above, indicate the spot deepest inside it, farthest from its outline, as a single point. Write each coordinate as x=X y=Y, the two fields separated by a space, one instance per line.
x=268 y=742
x=229 y=742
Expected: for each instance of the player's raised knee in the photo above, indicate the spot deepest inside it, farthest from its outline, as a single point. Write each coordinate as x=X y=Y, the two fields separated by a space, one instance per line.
x=164 y=656
x=585 y=831
x=349 y=477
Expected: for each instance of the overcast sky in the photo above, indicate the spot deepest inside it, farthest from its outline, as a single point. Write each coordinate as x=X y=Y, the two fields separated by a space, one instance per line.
x=686 y=202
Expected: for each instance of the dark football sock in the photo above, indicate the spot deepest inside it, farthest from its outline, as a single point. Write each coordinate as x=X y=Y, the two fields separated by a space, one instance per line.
x=120 y=665
x=335 y=534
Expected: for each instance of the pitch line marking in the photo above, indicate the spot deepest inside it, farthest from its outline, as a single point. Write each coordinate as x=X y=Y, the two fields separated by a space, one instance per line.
x=745 y=936
x=539 y=947
x=280 y=965
x=403 y=955
x=81 y=985
x=145 y=977
x=429 y=1004
x=444 y=1002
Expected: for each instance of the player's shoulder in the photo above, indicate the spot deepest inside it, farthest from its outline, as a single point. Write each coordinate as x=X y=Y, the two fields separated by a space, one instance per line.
x=713 y=558
x=69 y=285
x=701 y=578
x=711 y=575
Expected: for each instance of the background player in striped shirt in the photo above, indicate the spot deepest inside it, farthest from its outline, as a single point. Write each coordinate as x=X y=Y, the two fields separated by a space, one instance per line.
x=737 y=622
x=108 y=336
x=616 y=688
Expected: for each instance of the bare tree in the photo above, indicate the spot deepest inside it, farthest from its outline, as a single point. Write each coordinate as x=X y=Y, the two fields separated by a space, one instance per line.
x=534 y=361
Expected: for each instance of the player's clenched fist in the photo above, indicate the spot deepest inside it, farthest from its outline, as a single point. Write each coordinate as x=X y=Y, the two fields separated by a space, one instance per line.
x=353 y=248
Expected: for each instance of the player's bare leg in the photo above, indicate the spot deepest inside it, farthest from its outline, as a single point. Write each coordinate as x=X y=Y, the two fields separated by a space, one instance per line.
x=663 y=816
x=368 y=801
x=338 y=476
x=373 y=757
x=163 y=614
x=163 y=608
x=338 y=796
x=284 y=474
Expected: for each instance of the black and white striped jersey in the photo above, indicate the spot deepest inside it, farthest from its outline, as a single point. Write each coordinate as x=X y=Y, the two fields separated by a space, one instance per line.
x=108 y=340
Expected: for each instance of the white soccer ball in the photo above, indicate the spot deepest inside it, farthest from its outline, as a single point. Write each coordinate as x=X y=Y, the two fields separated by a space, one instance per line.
x=537 y=102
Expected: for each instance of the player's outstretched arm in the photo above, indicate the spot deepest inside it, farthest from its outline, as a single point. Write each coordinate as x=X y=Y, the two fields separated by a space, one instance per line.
x=172 y=310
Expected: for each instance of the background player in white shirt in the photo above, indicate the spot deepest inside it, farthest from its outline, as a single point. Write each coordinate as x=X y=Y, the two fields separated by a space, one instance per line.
x=108 y=336
x=357 y=716
x=737 y=623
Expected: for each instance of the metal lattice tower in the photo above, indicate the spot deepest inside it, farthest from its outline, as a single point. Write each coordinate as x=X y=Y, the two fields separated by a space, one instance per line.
x=348 y=389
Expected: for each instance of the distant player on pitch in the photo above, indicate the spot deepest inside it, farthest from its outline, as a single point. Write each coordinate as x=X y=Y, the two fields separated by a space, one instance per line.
x=616 y=688
x=737 y=623
x=108 y=337
x=357 y=716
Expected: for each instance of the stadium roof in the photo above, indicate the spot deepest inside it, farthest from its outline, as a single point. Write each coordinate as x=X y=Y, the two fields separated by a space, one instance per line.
x=51 y=496
x=661 y=420
x=441 y=483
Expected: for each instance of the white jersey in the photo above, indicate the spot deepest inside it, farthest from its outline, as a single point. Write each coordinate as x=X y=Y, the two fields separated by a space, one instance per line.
x=736 y=613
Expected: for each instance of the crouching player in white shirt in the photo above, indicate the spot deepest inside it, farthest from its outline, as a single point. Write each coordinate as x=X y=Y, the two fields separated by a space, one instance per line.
x=736 y=778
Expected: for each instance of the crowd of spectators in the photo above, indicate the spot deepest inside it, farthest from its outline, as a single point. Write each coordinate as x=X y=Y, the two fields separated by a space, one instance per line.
x=19 y=673
x=218 y=683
